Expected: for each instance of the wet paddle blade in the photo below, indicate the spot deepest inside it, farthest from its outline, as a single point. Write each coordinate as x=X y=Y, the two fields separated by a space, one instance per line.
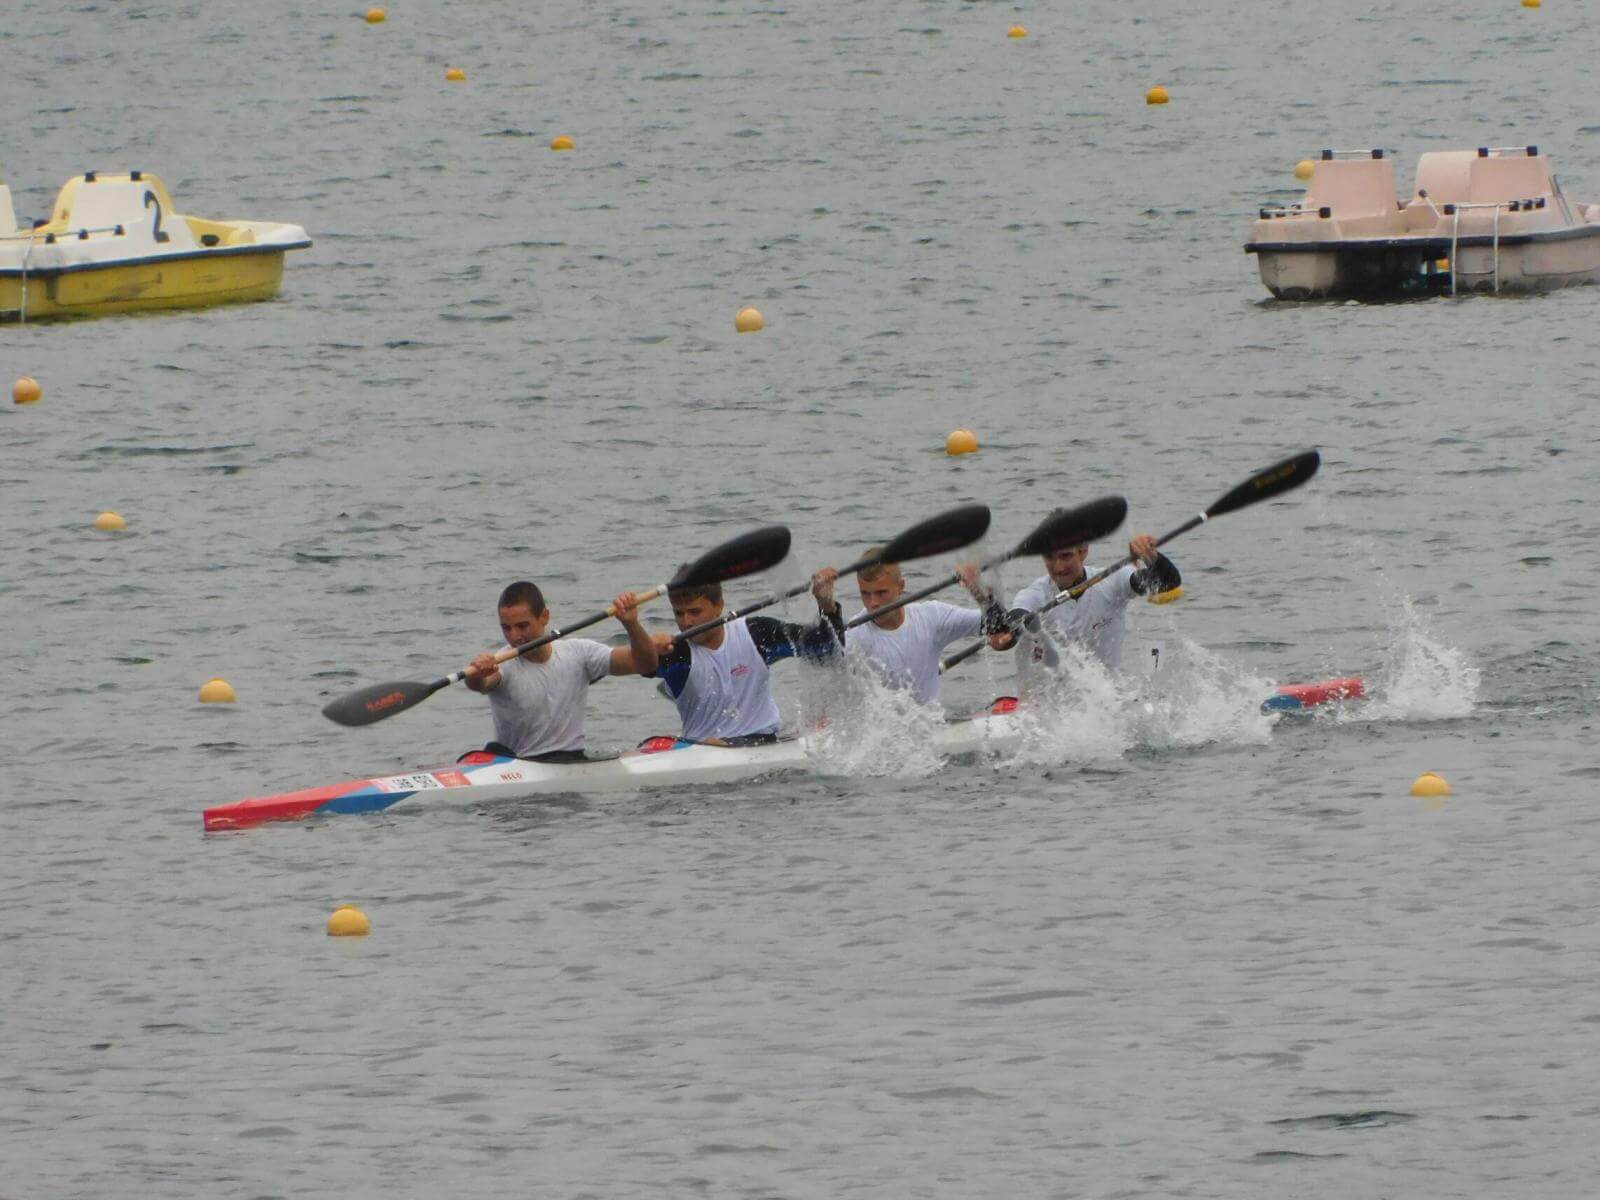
x=379 y=701
x=1075 y=526
x=948 y=531
x=747 y=554
x=1264 y=485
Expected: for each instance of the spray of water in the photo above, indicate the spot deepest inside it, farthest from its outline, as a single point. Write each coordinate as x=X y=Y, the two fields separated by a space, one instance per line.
x=867 y=727
x=1198 y=698
x=1074 y=715
x=1087 y=714
x=1422 y=678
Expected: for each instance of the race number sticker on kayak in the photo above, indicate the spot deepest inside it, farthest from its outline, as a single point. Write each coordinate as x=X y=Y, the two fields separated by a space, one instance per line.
x=452 y=778
x=408 y=783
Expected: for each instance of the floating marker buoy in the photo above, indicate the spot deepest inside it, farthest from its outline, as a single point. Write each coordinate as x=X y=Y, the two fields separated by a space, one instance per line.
x=1156 y=95
x=217 y=691
x=348 y=921
x=109 y=522
x=1303 y=169
x=26 y=390
x=1429 y=784
x=561 y=142
x=376 y=16
x=749 y=320
x=1168 y=596
x=1016 y=31
x=961 y=441
x=1530 y=3
x=455 y=75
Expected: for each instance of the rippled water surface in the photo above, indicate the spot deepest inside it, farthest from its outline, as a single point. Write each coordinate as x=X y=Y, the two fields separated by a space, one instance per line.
x=1169 y=948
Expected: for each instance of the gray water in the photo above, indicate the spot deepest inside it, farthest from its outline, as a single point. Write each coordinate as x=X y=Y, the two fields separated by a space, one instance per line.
x=1169 y=949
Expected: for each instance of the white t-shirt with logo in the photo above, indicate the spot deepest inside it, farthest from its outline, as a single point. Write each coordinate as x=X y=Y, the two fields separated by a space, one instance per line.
x=539 y=706
x=1096 y=620
x=727 y=693
x=908 y=657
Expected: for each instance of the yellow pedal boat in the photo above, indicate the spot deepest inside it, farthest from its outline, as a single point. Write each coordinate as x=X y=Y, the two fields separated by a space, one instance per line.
x=115 y=244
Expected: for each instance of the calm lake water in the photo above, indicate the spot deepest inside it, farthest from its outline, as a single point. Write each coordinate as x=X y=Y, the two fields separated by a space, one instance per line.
x=1170 y=949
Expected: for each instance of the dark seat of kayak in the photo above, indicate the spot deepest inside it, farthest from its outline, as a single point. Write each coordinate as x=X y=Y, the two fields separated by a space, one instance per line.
x=495 y=750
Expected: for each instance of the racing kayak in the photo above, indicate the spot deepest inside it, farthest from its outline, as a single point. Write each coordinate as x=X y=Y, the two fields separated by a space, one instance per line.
x=656 y=763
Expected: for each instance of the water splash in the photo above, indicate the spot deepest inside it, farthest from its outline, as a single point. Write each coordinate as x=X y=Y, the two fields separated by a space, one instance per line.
x=1422 y=679
x=870 y=728
x=1075 y=715
x=1087 y=714
x=1198 y=698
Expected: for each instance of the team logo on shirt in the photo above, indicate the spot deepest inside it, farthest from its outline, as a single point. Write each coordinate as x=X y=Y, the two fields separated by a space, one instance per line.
x=741 y=669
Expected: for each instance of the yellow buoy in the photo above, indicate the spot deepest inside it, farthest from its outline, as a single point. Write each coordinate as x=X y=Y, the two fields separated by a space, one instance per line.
x=1429 y=784
x=455 y=75
x=26 y=390
x=1016 y=31
x=110 y=522
x=1156 y=95
x=1168 y=596
x=217 y=691
x=348 y=921
x=376 y=16
x=1303 y=169
x=1530 y=3
x=961 y=441
x=561 y=142
x=749 y=320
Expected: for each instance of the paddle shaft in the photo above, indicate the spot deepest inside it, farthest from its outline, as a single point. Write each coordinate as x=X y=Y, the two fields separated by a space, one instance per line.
x=1078 y=589
x=1263 y=485
x=755 y=550
x=921 y=593
x=1085 y=523
x=726 y=618
x=544 y=639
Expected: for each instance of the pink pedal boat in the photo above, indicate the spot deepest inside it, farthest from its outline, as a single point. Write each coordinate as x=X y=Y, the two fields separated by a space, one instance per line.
x=1485 y=220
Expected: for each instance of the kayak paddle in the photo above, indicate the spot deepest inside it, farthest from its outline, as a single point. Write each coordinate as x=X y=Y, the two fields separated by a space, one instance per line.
x=1265 y=484
x=744 y=555
x=948 y=531
x=1064 y=527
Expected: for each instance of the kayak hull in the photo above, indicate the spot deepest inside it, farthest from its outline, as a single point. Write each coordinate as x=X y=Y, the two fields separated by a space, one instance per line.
x=664 y=762
x=658 y=763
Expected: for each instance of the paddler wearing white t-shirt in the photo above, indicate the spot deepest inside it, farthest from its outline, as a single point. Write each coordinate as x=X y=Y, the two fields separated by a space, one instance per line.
x=538 y=699
x=1096 y=620
x=904 y=646
x=719 y=679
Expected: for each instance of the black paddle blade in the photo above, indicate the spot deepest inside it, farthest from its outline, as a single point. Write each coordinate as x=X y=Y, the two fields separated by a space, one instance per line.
x=746 y=554
x=379 y=701
x=1273 y=481
x=947 y=531
x=1075 y=526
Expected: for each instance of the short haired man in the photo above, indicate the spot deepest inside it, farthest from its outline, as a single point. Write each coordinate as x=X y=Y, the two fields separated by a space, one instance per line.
x=904 y=646
x=1096 y=620
x=719 y=679
x=538 y=698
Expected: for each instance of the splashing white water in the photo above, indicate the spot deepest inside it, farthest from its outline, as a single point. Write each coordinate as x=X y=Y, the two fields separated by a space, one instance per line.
x=1422 y=679
x=870 y=728
x=1198 y=698
x=1076 y=715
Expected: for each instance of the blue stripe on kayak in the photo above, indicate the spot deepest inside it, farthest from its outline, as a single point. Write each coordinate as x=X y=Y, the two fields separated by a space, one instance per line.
x=367 y=800
x=1282 y=703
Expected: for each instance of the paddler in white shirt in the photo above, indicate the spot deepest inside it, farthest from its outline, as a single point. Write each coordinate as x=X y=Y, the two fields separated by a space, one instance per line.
x=719 y=679
x=904 y=646
x=538 y=699
x=1096 y=620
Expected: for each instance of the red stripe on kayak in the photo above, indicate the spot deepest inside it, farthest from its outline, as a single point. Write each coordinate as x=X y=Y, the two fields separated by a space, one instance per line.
x=290 y=806
x=1322 y=692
